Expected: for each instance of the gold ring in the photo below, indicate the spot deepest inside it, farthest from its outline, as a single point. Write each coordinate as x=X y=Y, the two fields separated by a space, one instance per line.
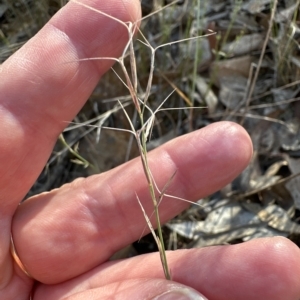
x=16 y=257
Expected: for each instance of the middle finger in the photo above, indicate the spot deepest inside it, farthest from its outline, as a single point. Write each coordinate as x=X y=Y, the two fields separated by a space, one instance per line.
x=68 y=231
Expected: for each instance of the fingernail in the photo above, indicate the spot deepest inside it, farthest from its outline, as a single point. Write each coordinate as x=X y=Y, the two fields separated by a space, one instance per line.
x=180 y=294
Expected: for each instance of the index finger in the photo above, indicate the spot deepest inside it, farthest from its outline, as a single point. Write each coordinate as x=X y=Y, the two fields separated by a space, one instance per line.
x=39 y=91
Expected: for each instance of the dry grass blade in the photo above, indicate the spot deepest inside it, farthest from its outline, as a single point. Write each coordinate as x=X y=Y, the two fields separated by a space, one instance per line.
x=252 y=86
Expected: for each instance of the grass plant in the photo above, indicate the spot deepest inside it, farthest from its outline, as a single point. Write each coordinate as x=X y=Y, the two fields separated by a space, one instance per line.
x=146 y=116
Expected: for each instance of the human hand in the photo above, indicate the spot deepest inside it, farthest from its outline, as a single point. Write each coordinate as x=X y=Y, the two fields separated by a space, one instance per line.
x=65 y=237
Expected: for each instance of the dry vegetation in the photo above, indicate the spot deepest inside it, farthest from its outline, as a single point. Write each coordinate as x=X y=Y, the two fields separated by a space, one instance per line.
x=248 y=72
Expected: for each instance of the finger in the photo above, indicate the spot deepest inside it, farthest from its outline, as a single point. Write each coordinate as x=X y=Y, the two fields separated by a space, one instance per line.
x=44 y=85
x=66 y=232
x=40 y=92
x=156 y=289
x=14 y=285
x=257 y=270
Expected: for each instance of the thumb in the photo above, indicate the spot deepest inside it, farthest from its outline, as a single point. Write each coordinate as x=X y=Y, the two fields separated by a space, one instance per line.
x=174 y=290
x=156 y=289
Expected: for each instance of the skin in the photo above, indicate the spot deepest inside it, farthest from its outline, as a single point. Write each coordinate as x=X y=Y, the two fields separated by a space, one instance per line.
x=65 y=237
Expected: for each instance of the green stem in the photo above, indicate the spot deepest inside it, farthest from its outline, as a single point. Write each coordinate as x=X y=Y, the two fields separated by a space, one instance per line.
x=143 y=151
x=83 y=160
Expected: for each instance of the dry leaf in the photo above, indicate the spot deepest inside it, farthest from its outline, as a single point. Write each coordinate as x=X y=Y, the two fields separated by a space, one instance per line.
x=244 y=44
